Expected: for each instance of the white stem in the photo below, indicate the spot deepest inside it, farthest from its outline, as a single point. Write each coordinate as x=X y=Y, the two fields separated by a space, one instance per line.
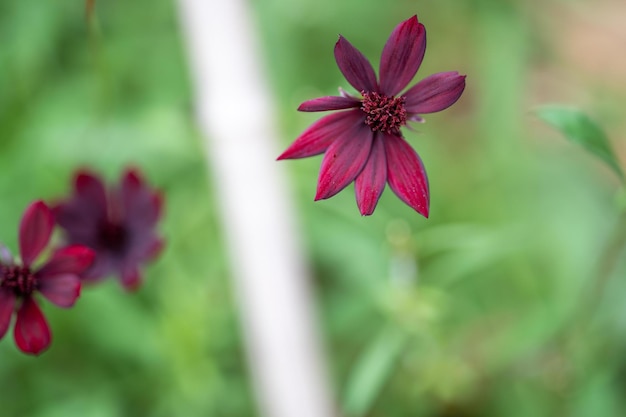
x=271 y=280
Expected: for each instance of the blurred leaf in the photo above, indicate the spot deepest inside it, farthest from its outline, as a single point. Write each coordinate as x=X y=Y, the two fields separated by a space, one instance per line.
x=597 y=395
x=579 y=128
x=372 y=370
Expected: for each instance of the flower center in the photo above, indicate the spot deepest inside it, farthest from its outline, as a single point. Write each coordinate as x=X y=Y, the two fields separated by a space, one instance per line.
x=112 y=236
x=384 y=114
x=18 y=278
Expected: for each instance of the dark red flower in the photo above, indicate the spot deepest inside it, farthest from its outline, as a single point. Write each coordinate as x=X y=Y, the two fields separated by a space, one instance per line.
x=364 y=144
x=119 y=225
x=57 y=280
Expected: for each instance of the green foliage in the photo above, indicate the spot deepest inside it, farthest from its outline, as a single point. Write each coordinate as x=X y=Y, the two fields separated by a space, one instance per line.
x=577 y=127
x=371 y=371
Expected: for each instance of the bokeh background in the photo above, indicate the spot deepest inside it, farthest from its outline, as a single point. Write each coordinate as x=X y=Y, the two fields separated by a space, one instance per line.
x=481 y=310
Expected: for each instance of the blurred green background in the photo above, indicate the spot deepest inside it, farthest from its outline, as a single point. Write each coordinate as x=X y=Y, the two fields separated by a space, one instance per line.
x=478 y=311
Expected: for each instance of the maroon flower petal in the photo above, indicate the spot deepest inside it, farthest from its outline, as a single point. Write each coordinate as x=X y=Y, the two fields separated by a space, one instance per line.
x=131 y=192
x=82 y=214
x=156 y=204
x=406 y=174
x=31 y=332
x=35 y=229
x=132 y=182
x=142 y=207
x=344 y=160
x=68 y=260
x=329 y=103
x=434 y=93
x=91 y=192
x=131 y=278
x=354 y=66
x=62 y=290
x=370 y=183
x=154 y=249
x=402 y=56
x=7 y=304
x=318 y=137
x=102 y=266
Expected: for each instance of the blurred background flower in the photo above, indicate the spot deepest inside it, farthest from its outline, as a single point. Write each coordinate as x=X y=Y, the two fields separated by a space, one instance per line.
x=118 y=223
x=451 y=316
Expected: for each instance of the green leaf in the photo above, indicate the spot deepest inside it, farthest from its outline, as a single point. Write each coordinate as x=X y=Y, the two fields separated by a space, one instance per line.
x=579 y=128
x=372 y=370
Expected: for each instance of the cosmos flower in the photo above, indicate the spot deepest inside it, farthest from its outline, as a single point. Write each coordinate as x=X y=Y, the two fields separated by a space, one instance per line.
x=363 y=142
x=118 y=224
x=57 y=280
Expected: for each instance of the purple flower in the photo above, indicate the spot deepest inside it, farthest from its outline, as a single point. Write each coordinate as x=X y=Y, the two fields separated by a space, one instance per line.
x=118 y=224
x=364 y=144
x=57 y=280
